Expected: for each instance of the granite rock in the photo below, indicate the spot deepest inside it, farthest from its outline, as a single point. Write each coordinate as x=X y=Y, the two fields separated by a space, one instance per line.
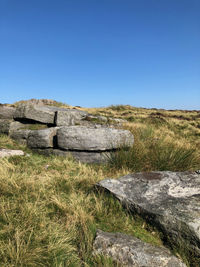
x=69 y=117
x=169 y=201
x=37 y=113
x=20 y=135
x=6 y=112
x=130 y=251
x=5 y=126
x=42 y=138
x=93 y=139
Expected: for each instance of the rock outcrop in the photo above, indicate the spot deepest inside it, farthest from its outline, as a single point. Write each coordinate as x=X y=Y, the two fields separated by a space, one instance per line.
x=169 y=201
x=68 y=132
x=130 y=251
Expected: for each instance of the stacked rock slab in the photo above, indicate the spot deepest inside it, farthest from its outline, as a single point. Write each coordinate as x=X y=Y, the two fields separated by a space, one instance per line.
x=130 y=251
x=68 y=132
x=169 y=201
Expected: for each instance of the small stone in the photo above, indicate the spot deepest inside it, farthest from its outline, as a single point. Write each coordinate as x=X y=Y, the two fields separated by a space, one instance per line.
x=10 y=152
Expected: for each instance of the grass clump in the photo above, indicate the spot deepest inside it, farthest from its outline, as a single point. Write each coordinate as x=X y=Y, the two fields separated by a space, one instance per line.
x=152 y=153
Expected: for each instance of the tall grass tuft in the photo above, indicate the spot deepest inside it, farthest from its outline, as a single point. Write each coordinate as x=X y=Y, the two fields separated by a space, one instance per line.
x=150 y=153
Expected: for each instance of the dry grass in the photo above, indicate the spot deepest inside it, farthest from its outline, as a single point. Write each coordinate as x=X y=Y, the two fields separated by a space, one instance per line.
x=50 y=209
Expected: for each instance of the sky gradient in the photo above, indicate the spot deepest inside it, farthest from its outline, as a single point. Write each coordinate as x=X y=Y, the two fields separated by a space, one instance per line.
x=95 y=53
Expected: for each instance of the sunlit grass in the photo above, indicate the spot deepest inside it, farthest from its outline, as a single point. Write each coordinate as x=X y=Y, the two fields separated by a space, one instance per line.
x=50 y=208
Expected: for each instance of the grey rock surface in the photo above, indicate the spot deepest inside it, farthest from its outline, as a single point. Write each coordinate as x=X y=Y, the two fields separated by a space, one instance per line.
x=169 y=201
x=93 y=139
x=43 y=114
x=16 y=125
x=20 y=136
x=69 y=117
x=42 y=138
x=130 y=251
x=85 y=157
x=5 y=126
x=6 y=112
x=10 y=152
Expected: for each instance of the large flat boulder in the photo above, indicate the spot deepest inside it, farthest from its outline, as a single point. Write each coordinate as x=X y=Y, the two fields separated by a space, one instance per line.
x=93 y=139
x=85 y=157
x=6 y=112
x=69 y=117
x=42 y=138
x=130 y=251
x=169 y=201
x=37 y=113
x=10 y=153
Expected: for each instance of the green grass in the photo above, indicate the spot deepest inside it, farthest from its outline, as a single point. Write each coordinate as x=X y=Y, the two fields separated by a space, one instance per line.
x=151 y=153
x=50 y=208
x=50 y=211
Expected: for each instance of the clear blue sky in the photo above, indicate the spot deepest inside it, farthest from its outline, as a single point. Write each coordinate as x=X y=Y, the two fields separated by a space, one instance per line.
x=100 y=52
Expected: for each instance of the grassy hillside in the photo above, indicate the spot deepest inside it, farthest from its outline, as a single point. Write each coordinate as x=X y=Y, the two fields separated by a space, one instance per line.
x=50 y=209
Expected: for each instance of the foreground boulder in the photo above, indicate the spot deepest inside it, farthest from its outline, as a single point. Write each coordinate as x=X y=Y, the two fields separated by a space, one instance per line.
x=169 y=201
x=130 y=251
x=42 y=138
x=93 y=139
x=10 y=152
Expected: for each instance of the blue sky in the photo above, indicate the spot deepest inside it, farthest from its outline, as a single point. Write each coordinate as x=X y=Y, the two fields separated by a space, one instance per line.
x=94 y=53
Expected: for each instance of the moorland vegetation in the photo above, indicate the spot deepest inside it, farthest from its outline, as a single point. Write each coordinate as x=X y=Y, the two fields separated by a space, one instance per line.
x=50 y=208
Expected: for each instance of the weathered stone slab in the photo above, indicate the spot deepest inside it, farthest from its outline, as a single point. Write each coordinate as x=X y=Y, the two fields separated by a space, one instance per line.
x=69 y=117
x=85 y=157
x=42 y=138
x=6 y=112
x=93 y=139
x=130 y=251
x=20 y=136
x=43 y=114
x=169 y=201
x=10 y=152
